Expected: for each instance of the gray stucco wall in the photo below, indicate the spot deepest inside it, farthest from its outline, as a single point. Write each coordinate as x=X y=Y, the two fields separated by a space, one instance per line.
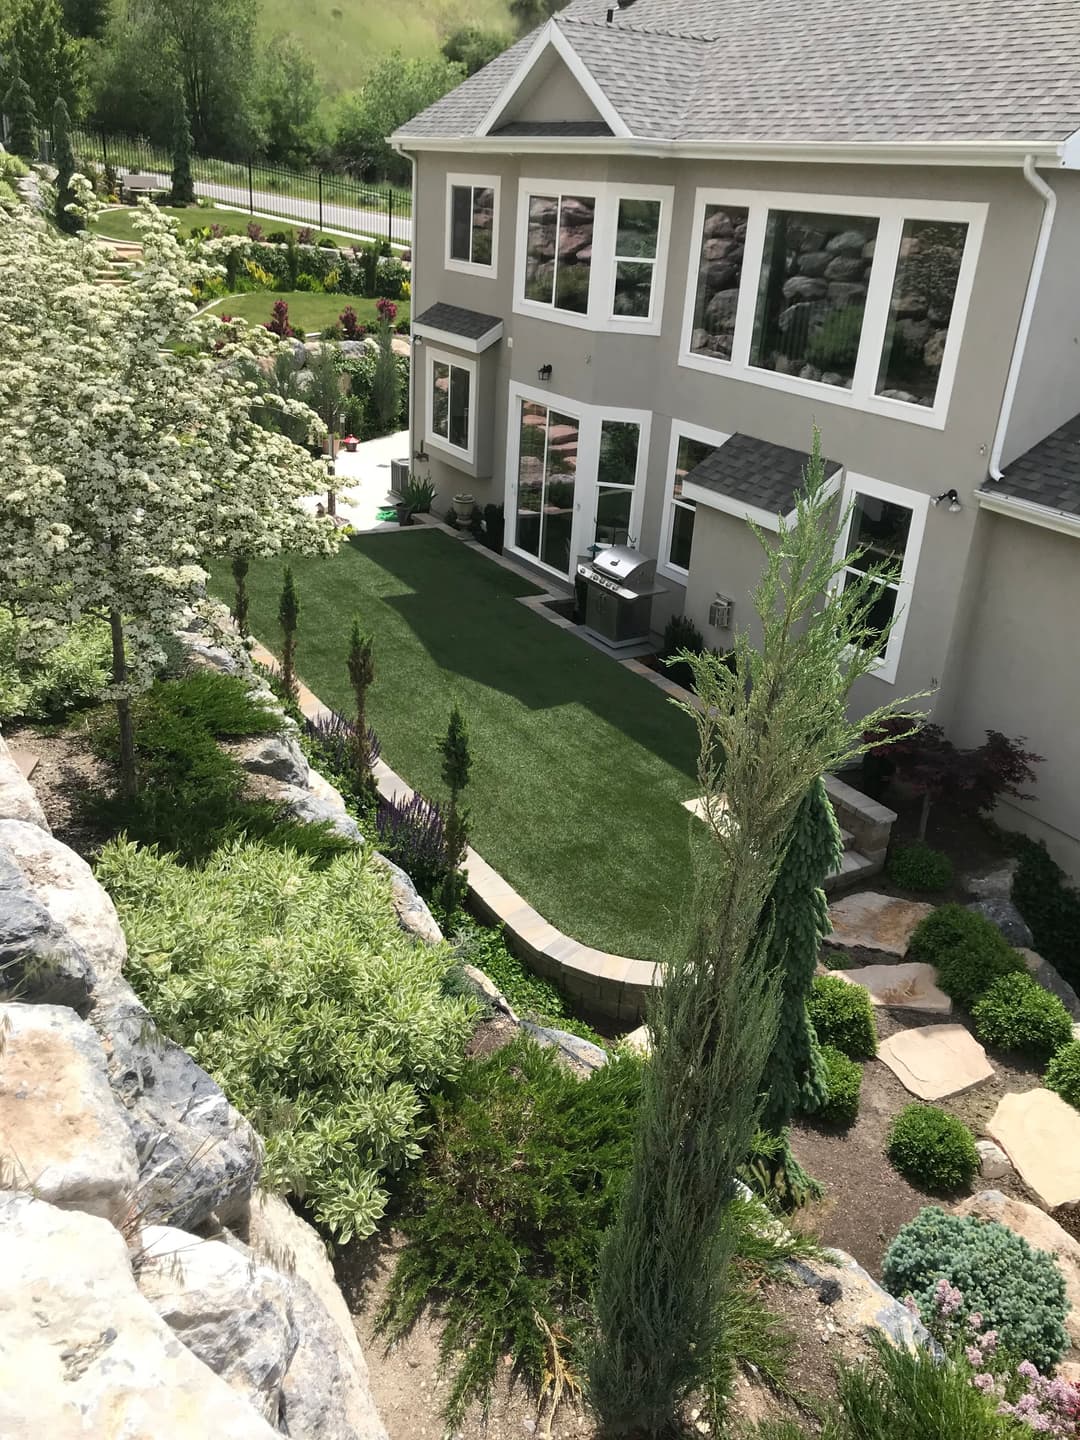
x=1017 y=670
x=1048 y=392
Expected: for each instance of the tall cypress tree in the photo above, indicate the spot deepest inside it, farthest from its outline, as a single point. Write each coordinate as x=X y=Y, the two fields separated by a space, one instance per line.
x=183 y=182
x=289 y=619
x=64 y=160
x=22 y=117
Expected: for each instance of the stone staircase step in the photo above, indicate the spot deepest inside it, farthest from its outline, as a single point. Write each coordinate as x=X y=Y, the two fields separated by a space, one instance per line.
x=852 y=868
x=847 y=837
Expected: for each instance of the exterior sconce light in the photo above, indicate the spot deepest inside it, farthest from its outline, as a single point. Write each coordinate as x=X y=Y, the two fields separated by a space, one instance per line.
x=952 y=497
x=544 y=374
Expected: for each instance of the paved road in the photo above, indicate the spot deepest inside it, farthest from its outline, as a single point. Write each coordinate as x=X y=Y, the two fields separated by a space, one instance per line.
x=348 y=219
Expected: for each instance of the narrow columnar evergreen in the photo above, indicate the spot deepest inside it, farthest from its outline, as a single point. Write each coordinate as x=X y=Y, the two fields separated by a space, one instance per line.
x=386 y=381
x=772 y=719
x=456 y=767
x=63 y=158
x=240 y=566
x=324 y=396
x=183 y=182
x=289 y=619
x=22 y=117
x=361 y=674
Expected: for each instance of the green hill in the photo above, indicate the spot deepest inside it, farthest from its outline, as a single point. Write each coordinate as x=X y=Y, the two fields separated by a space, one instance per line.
x=344 y=36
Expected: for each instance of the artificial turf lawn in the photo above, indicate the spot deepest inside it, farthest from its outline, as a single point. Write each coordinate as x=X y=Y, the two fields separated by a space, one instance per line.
x=580 y=767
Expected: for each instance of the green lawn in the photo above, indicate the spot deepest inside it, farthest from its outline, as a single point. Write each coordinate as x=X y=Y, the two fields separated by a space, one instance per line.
x=117 y=224
x=580 y=767
x=306 y=311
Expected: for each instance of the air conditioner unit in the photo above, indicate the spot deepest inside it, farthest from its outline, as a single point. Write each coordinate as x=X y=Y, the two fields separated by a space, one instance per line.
x=399 y=476
x=720 y=613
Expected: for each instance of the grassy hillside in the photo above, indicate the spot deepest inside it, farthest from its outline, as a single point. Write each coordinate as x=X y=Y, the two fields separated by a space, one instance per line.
x=343 y=37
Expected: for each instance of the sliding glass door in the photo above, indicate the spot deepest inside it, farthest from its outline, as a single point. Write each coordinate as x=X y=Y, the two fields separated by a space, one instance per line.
x=547 y=485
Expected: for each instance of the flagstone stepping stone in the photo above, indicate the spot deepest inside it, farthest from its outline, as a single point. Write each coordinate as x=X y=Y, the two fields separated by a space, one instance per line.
x=1040 y=1133
x=908 y=986
x=936 y=1060
x=869 y=921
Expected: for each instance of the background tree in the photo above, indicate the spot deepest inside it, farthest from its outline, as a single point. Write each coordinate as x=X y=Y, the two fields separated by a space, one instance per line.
x=456 y=768
x=395 y=90
x=288 y=102
x=50 y=60
x=183 y=182
x=63 y=157
x=474 y=47
x=86 y=19
x=327 y=399
x=361 y=675
x=94 y=403
x=18 y=106
x=289 y=620
x=796 y=920
x=772 y=720
x=530 y=13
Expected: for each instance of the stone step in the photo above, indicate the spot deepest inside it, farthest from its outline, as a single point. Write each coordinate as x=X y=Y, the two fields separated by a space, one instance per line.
x=853 y=867
x=847 y=837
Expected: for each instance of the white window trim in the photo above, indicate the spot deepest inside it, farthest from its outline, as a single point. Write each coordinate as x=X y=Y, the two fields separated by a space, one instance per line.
x=589 y=418
x=890 y=214
x=886 y=667
x=680 y=430
x=474 y=182
x=463 y=363
x=599 y=316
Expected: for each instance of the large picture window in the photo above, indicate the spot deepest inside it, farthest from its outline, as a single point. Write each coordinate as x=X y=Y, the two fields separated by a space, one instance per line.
x=558 y=262
x=472 y=222
x=616 y=474
x=450 y=412
x=547 y=481
x=860 y=301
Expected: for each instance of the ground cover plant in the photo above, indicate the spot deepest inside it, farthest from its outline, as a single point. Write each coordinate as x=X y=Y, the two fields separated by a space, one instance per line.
x=919 y=866
x=48 y=686
x=1016 y=1013
x=1017 y=1290
x=295 y=987
x=932 y=1148
x=843 y=1016
x=554 y=727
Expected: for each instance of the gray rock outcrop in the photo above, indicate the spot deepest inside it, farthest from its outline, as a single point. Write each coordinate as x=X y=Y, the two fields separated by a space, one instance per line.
x=39 y=958
x=1004 y=914
x=311 y=809
x=278 y=756
x=17 y=798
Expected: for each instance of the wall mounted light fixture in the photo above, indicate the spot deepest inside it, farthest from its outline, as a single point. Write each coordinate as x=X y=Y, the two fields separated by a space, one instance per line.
x=544 y=374
x=952 y=497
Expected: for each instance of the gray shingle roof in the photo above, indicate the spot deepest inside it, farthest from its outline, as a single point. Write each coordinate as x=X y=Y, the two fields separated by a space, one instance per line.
x=832 y=71
x=755 y=472
x=469 y=324
x=1048 y=474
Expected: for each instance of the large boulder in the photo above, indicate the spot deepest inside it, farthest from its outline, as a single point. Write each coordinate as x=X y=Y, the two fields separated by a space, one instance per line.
x=311 y=809
x=1045 y=975
x=1004 y=914
x=197 y=1155
x=855 y=1305
x=62 y=1135
x=203 y=654
x=409 y=905
x=580 y=1056
x=326 y=1395
x=232 y=1312
x=881 y=925
x=65 y=885
x=17 y=798
x=39 y=958
x=278 y=756
x=996 y=884
x=1040 y=1133
x=83 y=1354
x=1039 y=1230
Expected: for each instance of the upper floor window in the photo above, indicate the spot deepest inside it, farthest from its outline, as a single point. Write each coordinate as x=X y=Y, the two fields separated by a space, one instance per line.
x=449 y=391
x=472 y=223
x=860 y=301
x=593 y=256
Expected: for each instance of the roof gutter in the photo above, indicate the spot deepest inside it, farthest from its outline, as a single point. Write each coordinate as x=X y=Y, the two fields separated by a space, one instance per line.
x=1049 y=198
x=1041 y=515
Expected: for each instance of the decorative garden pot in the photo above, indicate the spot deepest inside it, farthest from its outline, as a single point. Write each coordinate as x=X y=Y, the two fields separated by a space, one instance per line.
x=464 y=505
x=404 y=512
x=350 y=442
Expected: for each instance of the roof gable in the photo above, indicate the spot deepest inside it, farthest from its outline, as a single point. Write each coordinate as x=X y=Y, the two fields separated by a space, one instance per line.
x=551 y=83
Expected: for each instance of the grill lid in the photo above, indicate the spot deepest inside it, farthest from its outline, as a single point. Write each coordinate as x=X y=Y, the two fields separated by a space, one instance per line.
x=628 y=568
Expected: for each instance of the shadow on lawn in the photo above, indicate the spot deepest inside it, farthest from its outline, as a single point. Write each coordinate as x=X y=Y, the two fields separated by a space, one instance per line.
x=482 y=633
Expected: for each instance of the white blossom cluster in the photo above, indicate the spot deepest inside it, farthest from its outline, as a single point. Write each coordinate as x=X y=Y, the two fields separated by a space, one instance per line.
x=129 y=449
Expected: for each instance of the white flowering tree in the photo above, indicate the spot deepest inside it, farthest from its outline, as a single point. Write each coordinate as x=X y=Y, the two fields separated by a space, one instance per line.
x=130 y=450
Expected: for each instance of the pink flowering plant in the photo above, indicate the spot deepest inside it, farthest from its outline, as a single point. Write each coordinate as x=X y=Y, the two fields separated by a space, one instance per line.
x=386 y=310
x=1044 y=1404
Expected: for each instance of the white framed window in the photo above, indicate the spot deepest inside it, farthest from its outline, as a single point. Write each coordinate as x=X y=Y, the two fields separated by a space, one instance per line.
x=690 y=445
x=886 y=524
x=856 y=300
x=575 y=477
x=451 y=389
x=593 y=255
x=472 y=224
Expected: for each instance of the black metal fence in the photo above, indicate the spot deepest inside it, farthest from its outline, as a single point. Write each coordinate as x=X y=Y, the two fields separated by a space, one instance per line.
x=319 y=198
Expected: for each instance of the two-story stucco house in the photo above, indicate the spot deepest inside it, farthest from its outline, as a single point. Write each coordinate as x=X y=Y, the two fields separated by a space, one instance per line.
x=657 y=242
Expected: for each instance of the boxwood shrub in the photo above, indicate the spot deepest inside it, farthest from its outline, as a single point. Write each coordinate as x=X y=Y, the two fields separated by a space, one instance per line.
x=843 y=1016
x=932 y=1148
x=1063 y=1073
x=968 y=952
x=843 y=1078
x=1016 y=1013
x=919 y=866
x=1018 y=1290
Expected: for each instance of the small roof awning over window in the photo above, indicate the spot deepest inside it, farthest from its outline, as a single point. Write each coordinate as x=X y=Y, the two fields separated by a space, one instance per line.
x=464 y=329
x=750 y=477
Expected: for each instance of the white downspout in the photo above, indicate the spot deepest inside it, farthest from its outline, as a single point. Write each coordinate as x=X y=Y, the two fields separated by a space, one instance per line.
x=1049 y=196
x=412 y=306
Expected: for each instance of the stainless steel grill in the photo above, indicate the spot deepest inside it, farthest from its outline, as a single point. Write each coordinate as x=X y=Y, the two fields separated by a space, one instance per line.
x=619 y=590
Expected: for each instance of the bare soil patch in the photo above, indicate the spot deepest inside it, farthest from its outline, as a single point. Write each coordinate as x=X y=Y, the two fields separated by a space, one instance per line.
x=65 y=766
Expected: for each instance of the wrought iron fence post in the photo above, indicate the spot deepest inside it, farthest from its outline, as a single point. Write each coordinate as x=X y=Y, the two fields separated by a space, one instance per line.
x=251 y=190
x=320 y=201
x=389 y=217
x=104 y=148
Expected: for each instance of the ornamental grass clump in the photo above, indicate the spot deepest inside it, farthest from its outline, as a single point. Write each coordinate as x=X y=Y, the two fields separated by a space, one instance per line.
x=932 y=1148
x=1017 y=1290
x=1016 y=1013
x=323 y=1022
x=842 y=1016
